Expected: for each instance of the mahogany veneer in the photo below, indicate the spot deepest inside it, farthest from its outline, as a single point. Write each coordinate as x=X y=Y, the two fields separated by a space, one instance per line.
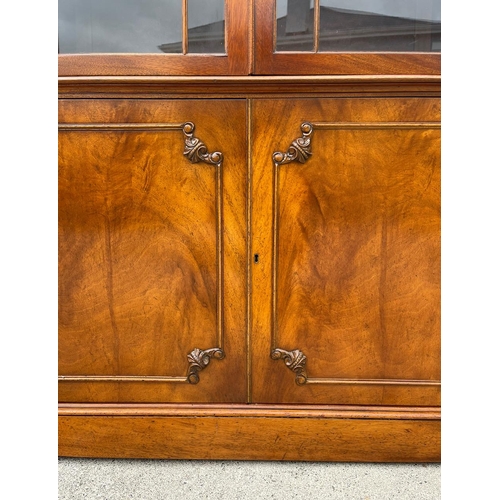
x=249 y=265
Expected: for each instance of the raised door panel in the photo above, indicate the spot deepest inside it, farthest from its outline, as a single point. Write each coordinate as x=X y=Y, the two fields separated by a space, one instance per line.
x=152 y=239
x=346 y=244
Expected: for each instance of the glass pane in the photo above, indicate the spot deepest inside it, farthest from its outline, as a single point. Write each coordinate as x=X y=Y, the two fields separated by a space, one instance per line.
x=206 y=26
x=295 y=25
x=120 y=26
x=380 y=25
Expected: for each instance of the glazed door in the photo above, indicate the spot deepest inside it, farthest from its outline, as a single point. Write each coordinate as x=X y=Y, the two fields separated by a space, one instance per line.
x=152 y=251
x=347 y=37
x=346 y=251
x=153 y=37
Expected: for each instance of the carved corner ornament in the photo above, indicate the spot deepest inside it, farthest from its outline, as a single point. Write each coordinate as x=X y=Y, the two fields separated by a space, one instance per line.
x=295 y=360
x=199 y=360
x=196 y=150
x=299 y=150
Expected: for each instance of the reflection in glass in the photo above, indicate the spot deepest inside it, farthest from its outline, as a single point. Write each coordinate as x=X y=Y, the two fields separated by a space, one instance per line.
x=206 y=26
x=119 y=26
x=358 y=25
x=380 y=25
x=295 y=25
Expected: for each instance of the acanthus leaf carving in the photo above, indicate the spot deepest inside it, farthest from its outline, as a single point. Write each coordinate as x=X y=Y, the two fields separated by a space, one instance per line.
x=195 y=150
x=299 y=150
x=295 y=360
x=199 y=360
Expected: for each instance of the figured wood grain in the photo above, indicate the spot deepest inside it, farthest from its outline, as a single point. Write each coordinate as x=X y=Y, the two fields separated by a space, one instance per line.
x=349 y=247
x=121 y=396
x=139 y=252
x=250 y=438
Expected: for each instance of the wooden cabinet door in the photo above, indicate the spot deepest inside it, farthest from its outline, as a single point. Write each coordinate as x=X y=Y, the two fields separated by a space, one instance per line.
x=346 y=247
x=152 y=245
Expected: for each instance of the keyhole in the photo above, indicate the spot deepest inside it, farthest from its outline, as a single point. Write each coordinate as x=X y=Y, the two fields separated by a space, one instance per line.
x=256 y=258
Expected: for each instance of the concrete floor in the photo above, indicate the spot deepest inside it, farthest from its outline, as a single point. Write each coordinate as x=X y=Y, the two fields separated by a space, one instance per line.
x=112 y=479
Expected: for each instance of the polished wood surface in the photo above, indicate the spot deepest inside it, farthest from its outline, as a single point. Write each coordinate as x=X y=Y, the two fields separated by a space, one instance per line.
x=348 y=278
x=356 y=229
x=173 y=87
x=151 y=251
x=246 y=410
x=331 y=266
x=239 y=434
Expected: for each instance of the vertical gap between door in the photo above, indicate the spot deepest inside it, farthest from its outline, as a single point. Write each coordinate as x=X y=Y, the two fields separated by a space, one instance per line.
x=249 y=251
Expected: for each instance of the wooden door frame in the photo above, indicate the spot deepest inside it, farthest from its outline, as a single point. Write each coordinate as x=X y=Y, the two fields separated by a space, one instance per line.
x=279 y=373
x=235 y=62
x=223 y=340
x=270 y=62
